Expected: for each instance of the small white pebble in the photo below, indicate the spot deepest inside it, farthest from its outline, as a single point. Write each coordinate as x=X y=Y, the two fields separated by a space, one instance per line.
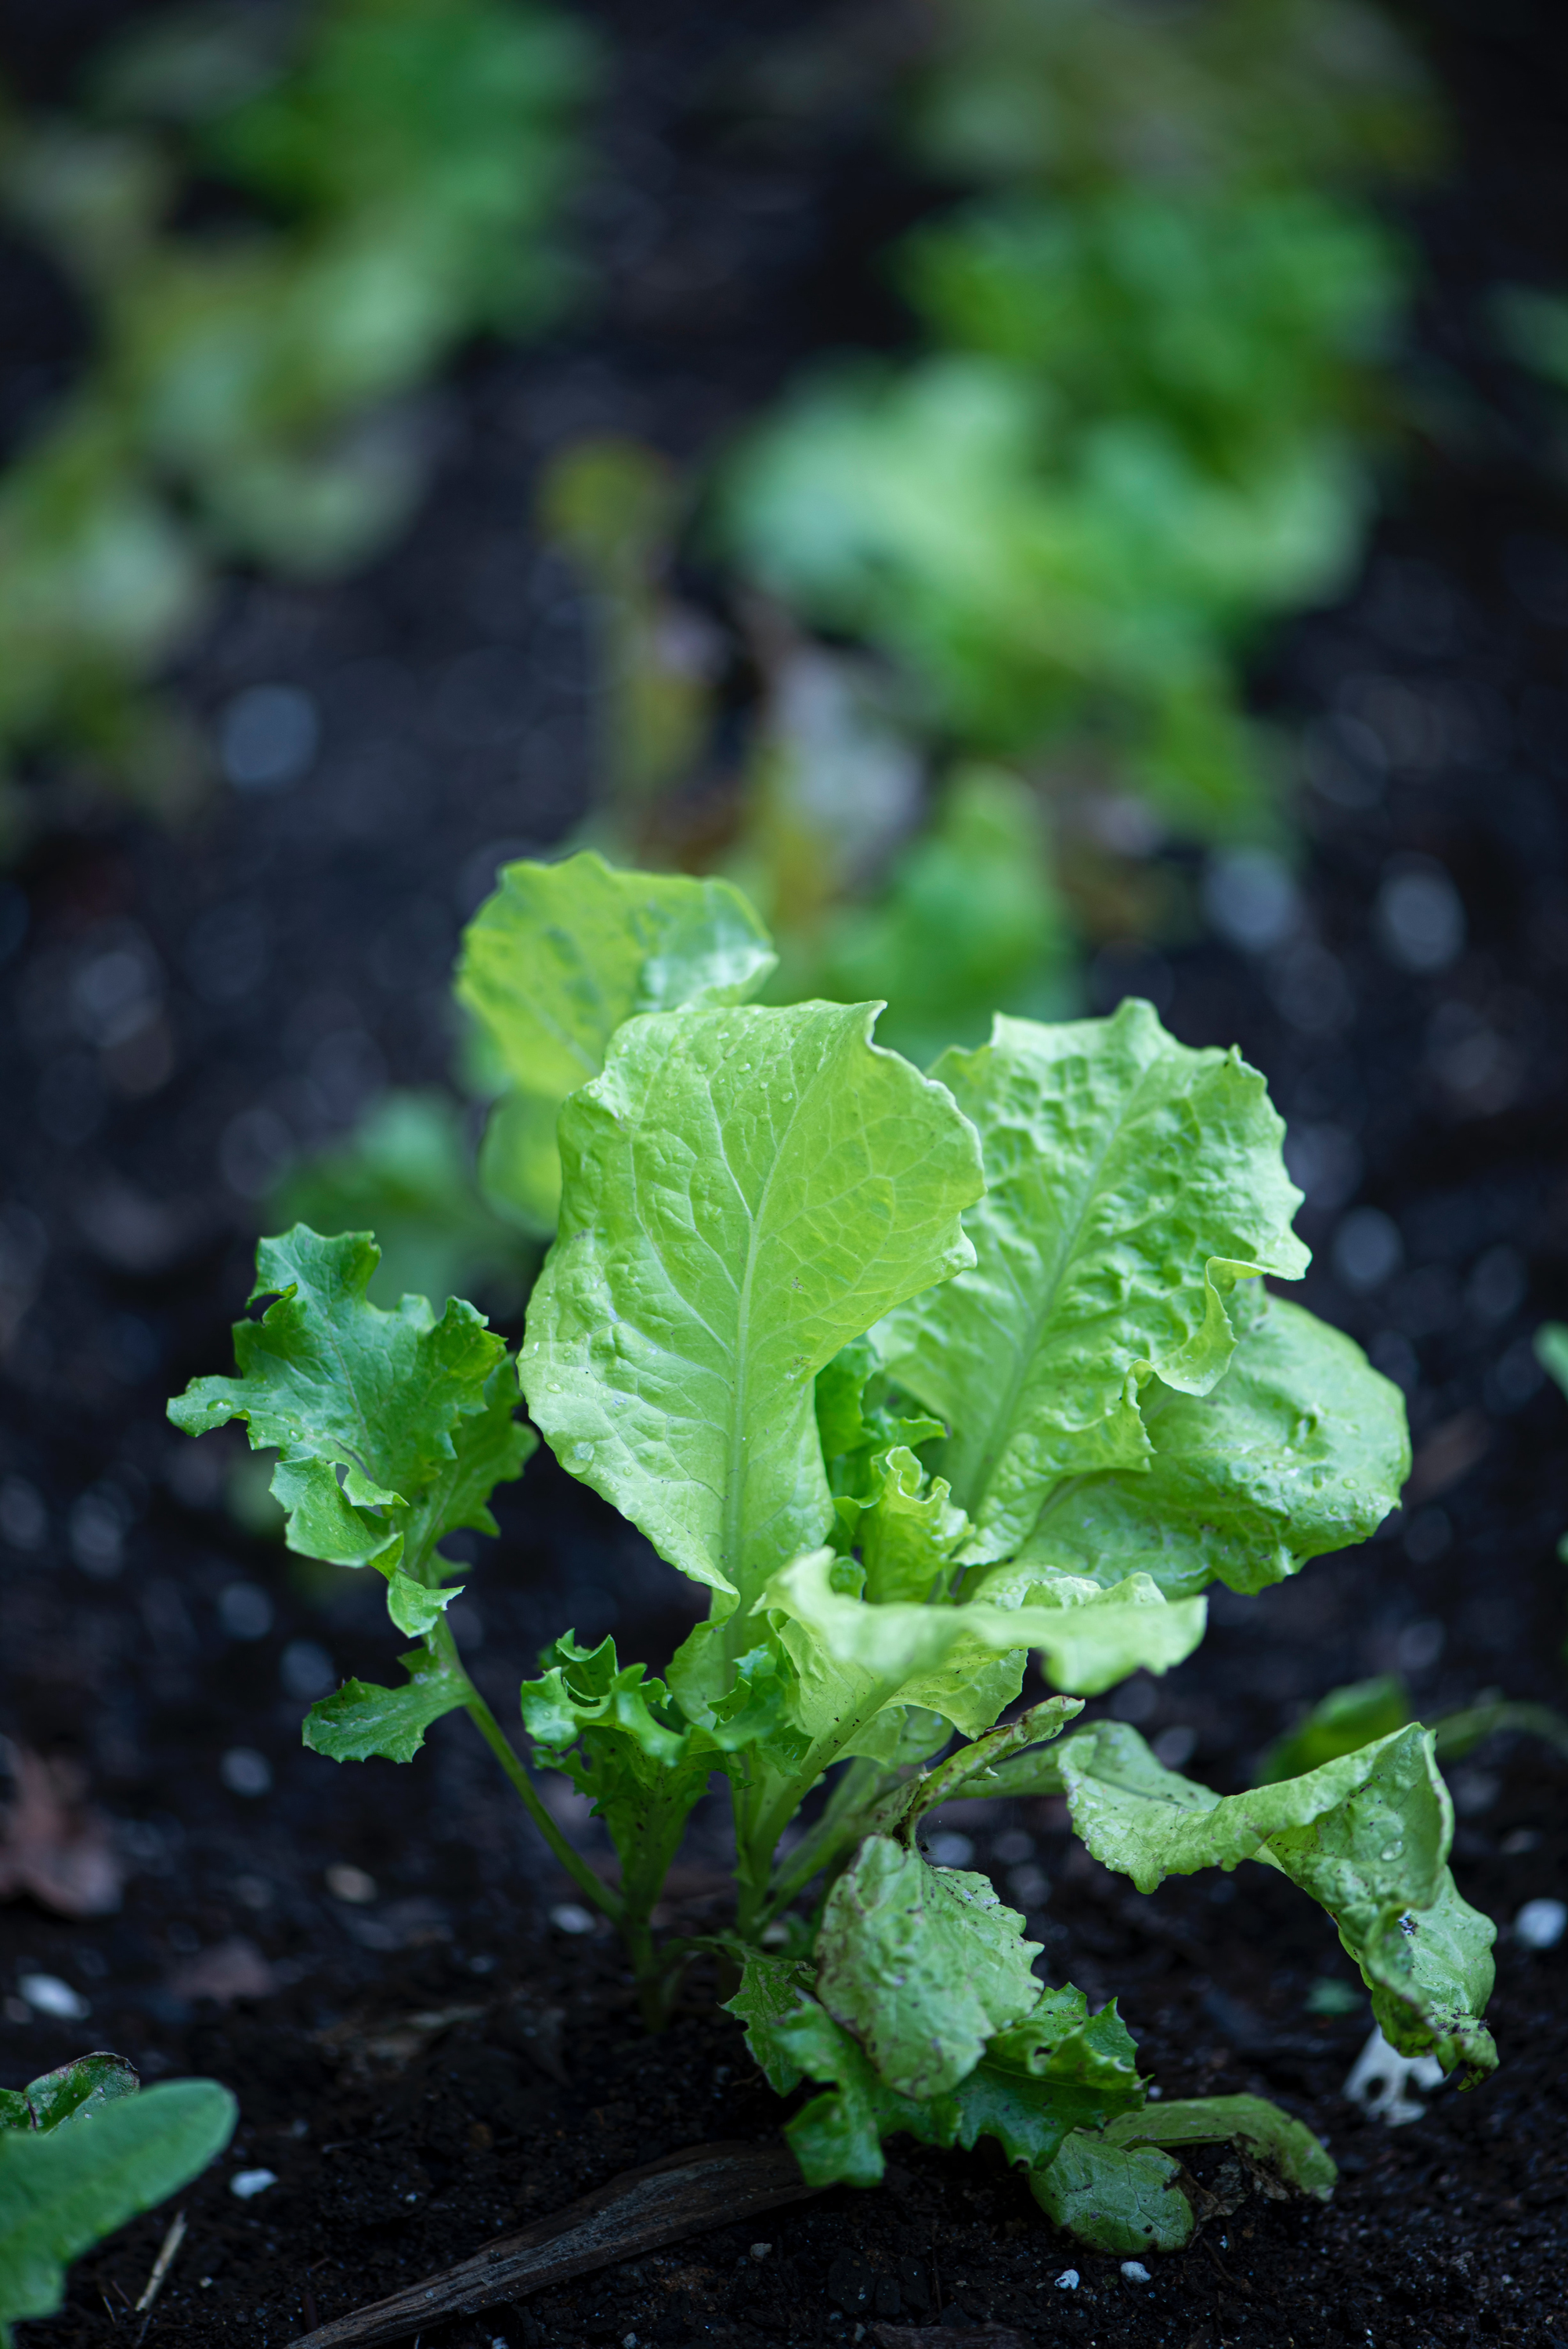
x=1067 y=2280
x=247 y=2182
x=760 y=2251
x=628 y=2341
x=1134 y=2271
x=1540 y=1924
x=350 y=1884
x=567 y=1918
x=245 y=1771
x=48 y=1994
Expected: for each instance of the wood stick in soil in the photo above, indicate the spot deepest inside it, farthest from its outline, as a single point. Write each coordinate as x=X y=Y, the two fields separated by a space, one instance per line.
x=642 y=2209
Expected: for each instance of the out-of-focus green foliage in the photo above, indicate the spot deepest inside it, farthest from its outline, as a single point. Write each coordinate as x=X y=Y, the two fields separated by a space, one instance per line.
x=407 y=1173
x=1533 y=328
x=614 y=508
x=1233 y=93
x=947 y=922
x=1147 y=415
x=402 y=161
x=968 y=923
x=1345 y=1719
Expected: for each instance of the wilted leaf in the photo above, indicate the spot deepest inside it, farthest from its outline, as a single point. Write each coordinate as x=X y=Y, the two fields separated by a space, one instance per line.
x=1115 y=2200
x=1287 y=2145
x=52 y=1845
x=923 y=1964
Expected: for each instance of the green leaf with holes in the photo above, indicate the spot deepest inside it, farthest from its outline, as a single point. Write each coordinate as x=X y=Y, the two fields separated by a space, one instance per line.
x=1117 y=2199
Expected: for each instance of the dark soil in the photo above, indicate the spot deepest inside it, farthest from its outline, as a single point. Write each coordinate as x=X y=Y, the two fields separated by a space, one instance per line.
x=431 y=2064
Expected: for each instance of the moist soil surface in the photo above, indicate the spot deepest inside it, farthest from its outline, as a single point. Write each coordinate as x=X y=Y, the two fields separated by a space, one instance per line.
x=424 y=2058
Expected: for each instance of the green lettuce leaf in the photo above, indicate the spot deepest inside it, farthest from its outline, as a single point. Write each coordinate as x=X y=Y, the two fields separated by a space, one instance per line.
x=625 y=1741
x=854 y=1661
x=1367 y=1835
x=923 y=1964
x=855 y=1419
x=1341 y=1722
x=876 y=1797
x=362 y=1721
x=837 y=2137
x=391 y=1429
x=62 y=2188
x=1132 y=1183
x=72 y=2093
x=771 y=1990
x=905 y=1527
x=1114 y=2200
x=1059 y=2039
x=1300 y=1449
x=552 y=964
x=1286 y=2145
x=745 y=1191
x=974 y=1769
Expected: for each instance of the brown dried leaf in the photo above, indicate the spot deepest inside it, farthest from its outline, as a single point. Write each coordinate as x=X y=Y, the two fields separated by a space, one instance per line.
x=52 y=1845
x=230 y=1970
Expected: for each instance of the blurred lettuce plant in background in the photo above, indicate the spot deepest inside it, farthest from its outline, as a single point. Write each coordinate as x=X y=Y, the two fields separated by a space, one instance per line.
x=392 y=170
x=1150 y=394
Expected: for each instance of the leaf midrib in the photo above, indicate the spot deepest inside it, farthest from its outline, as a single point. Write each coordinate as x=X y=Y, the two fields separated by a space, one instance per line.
x=1002 y=1416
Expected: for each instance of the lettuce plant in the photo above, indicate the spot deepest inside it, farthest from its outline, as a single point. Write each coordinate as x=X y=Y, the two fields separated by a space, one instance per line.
x=405 y=161
x=1150 y=394
x=919 y=1377
x=83 y=2150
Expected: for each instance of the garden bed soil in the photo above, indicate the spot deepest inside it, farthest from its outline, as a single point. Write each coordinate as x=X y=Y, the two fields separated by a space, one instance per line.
x=423 y=2059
